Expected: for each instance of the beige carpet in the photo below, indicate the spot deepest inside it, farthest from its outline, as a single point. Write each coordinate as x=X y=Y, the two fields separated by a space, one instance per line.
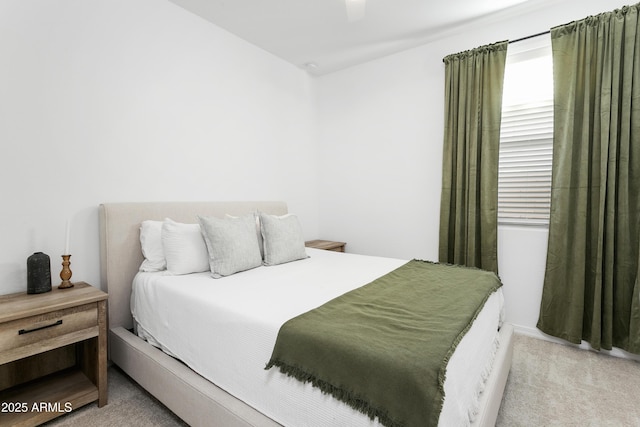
x=549 y=385
x=560 y=385
x=129 y=405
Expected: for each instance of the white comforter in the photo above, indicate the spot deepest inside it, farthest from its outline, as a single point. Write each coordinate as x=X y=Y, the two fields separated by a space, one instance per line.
x=225 y=330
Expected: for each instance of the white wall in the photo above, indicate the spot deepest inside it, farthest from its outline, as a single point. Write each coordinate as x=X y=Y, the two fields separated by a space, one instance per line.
x=381 y=130
x=106 y=101
x=123 y=101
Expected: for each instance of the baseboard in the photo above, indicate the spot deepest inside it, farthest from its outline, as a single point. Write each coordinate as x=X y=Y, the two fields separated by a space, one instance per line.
x=536 y=333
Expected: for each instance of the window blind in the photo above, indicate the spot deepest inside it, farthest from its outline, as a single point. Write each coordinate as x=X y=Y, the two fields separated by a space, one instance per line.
x=526 y=153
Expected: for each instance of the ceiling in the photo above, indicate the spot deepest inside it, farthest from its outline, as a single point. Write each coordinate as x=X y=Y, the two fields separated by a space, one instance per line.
x=319 y=36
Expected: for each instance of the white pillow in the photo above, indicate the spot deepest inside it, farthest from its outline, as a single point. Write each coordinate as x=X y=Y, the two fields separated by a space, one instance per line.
x=151 y=242
x=232 y=243
x=283 y=239
x=184 y=248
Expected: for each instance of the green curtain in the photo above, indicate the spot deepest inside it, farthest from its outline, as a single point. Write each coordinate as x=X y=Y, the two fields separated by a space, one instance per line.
x=591 y=282
x=469 y=203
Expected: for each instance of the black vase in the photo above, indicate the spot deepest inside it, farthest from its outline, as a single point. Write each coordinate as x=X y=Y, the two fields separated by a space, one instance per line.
x=38 y=273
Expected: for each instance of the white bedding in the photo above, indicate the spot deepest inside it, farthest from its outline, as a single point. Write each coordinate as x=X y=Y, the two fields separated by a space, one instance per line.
x=225 y=330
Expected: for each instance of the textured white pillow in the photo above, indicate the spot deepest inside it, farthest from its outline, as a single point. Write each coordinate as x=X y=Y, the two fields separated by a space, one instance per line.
x=283 y=239
x=232 y=243
x=184 y=248
x=258 y=232
x=151 y=243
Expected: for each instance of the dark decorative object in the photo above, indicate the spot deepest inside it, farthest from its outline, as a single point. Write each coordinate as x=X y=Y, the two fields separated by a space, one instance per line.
x=38 y=273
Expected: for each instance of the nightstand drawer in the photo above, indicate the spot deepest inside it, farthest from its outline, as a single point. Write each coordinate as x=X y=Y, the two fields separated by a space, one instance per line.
x=36 y=334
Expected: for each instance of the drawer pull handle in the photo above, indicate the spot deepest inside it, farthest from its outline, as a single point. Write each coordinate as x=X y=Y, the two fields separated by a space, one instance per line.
x=26 y=331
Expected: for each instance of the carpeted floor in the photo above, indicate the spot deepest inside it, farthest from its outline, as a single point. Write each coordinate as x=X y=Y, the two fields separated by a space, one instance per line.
x=129 y=406
x=549 y=385
x=560 y=385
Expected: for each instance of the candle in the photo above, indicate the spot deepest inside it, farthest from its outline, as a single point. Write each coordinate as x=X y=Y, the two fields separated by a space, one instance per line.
x=66 y=241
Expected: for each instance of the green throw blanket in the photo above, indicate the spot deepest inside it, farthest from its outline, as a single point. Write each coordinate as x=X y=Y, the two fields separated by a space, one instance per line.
x=383 y=348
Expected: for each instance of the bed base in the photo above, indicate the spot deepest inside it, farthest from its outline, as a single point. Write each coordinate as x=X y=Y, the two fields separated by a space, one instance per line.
x=188 y=395
x=200 y=403
x=191 y=397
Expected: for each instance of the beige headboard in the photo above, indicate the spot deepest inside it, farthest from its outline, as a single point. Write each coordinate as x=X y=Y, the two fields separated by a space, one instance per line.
x=120 y=252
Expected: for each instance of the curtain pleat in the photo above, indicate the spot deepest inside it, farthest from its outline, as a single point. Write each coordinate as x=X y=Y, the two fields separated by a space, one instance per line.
x=591 y=281
x=469 y=203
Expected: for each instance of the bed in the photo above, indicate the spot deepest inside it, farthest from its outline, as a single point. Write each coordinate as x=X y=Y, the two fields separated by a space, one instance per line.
x=188 y=394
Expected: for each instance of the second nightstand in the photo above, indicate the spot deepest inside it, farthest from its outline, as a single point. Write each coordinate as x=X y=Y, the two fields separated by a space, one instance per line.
x=327 y=245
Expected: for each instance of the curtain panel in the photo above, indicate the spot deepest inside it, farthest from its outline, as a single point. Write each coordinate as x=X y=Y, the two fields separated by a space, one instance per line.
x=591 y=289
x=469 y=203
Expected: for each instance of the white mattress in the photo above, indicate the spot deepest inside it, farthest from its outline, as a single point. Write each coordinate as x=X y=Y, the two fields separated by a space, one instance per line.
x=225 y=330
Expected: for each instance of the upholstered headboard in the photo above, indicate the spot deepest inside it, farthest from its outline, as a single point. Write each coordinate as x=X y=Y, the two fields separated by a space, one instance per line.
x=120 y=251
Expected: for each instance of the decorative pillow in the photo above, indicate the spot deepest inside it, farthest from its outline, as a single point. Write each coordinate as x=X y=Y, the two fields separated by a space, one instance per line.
x=184 y=248
x=283 y=240
x=232 y=244
x=258 y=232
x=151 y=242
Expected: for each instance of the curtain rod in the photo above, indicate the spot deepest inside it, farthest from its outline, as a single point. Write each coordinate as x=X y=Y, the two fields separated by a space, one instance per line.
x=529 y=37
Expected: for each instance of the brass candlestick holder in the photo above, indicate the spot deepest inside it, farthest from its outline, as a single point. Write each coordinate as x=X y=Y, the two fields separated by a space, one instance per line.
x=65 y=274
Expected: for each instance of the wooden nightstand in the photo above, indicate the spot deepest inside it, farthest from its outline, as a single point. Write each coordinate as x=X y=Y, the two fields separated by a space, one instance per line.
x=326 y=245
x=53 y=353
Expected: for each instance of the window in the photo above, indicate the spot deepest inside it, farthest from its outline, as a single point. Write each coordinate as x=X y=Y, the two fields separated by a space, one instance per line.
x=526 y=135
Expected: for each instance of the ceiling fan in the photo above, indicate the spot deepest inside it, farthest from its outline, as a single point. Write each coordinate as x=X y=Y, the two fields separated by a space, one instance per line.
x=355 y=9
